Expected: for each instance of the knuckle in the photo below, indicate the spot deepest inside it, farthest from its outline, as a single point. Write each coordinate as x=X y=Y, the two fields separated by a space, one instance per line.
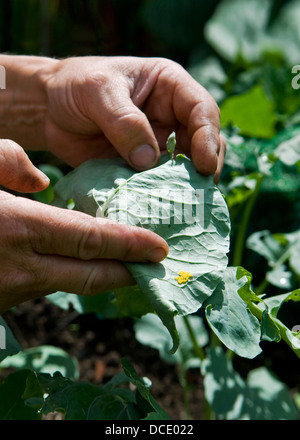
x=98 y=279
x=15 y=281
x=92 y=243
x=132 y=248
x=91 y=283
x=106 y=276
x=129 y=126
x=96 y=80
x=170 y=64
x=212 y=111
x=33 y=275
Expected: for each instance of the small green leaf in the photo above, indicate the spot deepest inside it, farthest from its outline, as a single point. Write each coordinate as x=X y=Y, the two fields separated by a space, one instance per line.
x=171 y=144
x=269 y=330
x=143 y=389
x=54 y=174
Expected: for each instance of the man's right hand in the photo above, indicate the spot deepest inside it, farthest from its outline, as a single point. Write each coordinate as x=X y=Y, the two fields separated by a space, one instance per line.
x=44 y=249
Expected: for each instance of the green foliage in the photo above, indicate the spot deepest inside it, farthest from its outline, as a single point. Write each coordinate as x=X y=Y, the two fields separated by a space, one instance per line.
x=256 y=48
x=252 y=112
x=14 y=392
x=27 y=395
x=260 y=397
x=84 y=401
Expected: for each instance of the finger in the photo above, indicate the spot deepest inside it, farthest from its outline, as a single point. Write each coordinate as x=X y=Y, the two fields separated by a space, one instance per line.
x=221 y=157
x=123 y=123
x=196 y=110
x=16 y=170
x=83 y=277
x=74 y=234
x=49 y=274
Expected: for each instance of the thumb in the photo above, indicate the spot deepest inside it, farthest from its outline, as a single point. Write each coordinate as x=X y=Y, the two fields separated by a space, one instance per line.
x=126 y=127
x=17 y=171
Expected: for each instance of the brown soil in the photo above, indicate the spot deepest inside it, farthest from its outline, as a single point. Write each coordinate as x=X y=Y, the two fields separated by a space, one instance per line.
x=98 y=345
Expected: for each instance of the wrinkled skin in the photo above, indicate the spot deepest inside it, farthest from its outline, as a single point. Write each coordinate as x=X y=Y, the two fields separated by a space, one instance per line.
x=94 y=107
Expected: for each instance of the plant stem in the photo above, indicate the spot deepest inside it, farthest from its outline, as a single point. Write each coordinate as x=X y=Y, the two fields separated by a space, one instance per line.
x=262 y=287
x=242 y=229
x=199 y=352
x=197 y=349
x=185 y=387
x=284 y=257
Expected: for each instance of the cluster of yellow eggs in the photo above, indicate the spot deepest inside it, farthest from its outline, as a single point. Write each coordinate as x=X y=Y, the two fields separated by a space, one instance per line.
x=183 y=277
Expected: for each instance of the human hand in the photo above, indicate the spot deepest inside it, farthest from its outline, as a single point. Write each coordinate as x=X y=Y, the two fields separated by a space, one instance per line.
x=126 y=106
x=44 y=249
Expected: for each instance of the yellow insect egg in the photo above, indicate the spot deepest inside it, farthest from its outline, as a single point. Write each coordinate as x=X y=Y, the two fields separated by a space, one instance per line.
x=183 y=277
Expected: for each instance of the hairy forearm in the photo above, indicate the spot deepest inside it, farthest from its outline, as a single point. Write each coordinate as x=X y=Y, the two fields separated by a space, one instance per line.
x=23 y=102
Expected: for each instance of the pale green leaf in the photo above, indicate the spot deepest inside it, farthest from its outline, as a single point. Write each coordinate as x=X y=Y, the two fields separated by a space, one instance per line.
x=177 y=203
x=280 y=251
x=285 y=31
x=230 y=319
x=280 y=277
x=150 y=331
x=46 y=359
x=260 y=397
x=266 y=245
x=238 y=29
x=103 y=304
x=289 y=151
x=210 y=73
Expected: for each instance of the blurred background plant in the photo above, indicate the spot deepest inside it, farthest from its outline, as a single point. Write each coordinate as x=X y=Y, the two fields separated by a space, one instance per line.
x=104 y=27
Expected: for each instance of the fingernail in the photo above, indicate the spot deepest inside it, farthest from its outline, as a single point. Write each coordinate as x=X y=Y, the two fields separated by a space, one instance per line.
x=43 y=176
x=157 y=255
x=143 y=157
